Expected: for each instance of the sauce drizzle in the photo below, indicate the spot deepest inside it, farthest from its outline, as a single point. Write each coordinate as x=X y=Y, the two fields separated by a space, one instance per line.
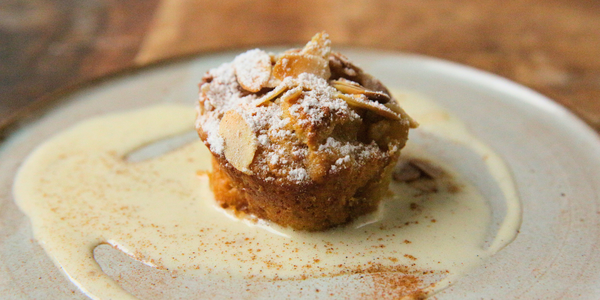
x=80 y=191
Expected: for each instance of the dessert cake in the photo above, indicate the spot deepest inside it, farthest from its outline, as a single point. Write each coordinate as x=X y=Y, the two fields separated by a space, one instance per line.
x=305 y=138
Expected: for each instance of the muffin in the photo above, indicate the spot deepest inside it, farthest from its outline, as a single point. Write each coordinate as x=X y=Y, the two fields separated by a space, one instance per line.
x=304 y=138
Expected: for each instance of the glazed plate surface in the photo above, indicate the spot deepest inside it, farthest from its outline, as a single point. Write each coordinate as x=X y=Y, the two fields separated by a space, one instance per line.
x=554 y=158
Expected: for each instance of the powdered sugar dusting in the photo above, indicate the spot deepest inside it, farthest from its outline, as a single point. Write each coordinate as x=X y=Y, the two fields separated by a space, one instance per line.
x=253 y=69
x=298 y=174
x=288 y=127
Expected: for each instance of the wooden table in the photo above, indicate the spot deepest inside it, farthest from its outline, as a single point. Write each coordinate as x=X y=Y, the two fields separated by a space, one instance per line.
x=552 y=46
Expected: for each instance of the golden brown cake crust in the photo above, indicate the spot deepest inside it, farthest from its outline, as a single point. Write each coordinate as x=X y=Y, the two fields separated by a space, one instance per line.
x=304 y=139
x=313 y=206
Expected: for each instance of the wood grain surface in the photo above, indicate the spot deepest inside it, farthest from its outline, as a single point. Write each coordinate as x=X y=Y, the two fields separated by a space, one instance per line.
x=552 y=46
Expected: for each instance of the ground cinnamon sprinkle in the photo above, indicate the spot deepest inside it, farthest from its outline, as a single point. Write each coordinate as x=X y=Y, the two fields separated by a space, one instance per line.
x=391 y=282
x=410 y=257
x=396 y=286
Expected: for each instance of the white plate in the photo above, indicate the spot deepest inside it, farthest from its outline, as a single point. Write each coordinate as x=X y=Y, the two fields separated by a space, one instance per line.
x=555 y=158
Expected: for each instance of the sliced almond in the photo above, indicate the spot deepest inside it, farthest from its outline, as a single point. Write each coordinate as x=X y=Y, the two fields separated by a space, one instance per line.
x=253 y=69
x=428 y=168
x=351 y=87
x=292 y=94
x=393 y=106
x=271 y=95
x=405 y=171
x=319 y=45
x=294 y=64
x=342 y=67
x=240 y=142
x=347 y=86
x=380 y=97
x=362 y=102
x=273 y=82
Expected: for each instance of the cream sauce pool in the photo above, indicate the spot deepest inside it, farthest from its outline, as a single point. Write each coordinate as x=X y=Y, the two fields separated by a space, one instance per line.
x=80 y=191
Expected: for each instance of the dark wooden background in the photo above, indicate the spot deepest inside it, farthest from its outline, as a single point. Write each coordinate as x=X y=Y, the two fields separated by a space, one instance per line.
x=552 y=46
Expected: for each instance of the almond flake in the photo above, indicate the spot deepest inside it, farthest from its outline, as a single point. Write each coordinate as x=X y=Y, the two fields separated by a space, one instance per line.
x=377 y=96
x=428 y=168
x=273 y=82
x=253 y=69
x=294 y=64
x=319 y=45
x=240 y=142
x=350 y=87
x=393 y=106
x=271 y=95
x=347 y=86
x=405 y=171
x=362 y=102
x=292 y=94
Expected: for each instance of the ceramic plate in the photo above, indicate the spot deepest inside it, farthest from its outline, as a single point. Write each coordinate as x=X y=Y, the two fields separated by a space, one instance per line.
x=555 y=159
